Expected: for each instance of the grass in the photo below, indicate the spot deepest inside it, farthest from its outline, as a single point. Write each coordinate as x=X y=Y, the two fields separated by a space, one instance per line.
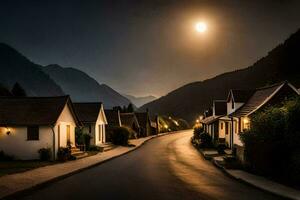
x=17 y=166
x=11 y=167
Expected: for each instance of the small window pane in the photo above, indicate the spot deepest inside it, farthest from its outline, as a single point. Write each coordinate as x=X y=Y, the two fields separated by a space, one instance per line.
x=32 y=133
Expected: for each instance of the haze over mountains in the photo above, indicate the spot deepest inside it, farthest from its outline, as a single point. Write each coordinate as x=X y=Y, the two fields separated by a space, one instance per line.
x=53 y=80
x=84 y=88
x=139 y=101
x=189 y=101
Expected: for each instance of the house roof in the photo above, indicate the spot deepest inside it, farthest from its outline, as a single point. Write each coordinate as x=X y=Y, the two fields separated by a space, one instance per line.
x=260 y=97
x=128 y=119
x=88 y=112
x=143 y=119
x=113 y=118
x=210 y=119
x=240 y=95
x=25 y=111
x=220 y=107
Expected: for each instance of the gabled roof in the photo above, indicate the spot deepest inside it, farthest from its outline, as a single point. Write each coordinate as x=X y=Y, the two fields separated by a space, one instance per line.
x=143 y=119
x=113 y=118
x=240 y=95
x=128 y=119
x=25 y=111
x=210 y=119
x=220 y=107
x=260 y=97
x=88 y=112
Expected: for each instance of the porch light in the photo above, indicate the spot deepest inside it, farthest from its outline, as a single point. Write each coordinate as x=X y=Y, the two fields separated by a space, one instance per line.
x=246 y=120
x=197 y=121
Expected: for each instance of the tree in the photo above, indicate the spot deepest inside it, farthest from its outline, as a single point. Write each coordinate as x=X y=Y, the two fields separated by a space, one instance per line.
x=130 y=108
x=117 y=108
x=18 y=91
x=4 y=92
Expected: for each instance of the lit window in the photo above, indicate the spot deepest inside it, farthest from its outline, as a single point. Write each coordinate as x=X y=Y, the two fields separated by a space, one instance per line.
x=246 y=123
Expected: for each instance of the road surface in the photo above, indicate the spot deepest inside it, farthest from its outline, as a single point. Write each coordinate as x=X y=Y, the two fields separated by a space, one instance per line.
x=166 y=167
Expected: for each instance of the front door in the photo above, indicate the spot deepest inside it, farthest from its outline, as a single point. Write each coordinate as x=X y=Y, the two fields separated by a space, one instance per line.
x=68 y=134
x=100 y=133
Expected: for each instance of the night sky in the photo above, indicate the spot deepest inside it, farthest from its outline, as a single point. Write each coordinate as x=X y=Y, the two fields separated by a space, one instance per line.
x=147 y=47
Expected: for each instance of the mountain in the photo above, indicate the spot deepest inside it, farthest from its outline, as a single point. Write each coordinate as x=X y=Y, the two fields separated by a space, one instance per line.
x=14 y=67
x=139 y=101
x=189 y=101
x=83 y=88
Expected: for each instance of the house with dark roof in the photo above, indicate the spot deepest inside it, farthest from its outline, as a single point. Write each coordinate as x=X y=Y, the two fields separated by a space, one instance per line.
x=113 y=121
x=212 y=124
x=145 y=123
x=93 y=118
x=129 y=120
x=28 y=124
x=261 y=98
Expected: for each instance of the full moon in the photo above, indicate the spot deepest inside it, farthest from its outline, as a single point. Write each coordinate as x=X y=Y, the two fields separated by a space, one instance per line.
x=201 y=27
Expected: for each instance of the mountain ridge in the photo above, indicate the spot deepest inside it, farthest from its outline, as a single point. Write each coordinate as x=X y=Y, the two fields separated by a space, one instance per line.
x=15 y=67
x=83 y=88
x=190 y=100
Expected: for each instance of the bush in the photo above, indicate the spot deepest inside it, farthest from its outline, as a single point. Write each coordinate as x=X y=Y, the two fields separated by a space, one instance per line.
x=87 y=140
x=79 y=136
x=221 y=148
x=120 y=136
x=95 y=148
x=5 y=157
x=205 y=140
x=198 y=131
x=45 y=154
x=63 y=154
x=265 y=143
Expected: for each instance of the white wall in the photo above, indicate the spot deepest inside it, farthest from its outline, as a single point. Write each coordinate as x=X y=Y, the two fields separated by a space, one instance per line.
x=65 y=118
x=16 y=142
x=100 y=132
x=227 y=136
x=221 y=129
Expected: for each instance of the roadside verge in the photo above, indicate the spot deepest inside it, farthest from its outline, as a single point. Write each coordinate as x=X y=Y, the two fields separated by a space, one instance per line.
x=253 y=180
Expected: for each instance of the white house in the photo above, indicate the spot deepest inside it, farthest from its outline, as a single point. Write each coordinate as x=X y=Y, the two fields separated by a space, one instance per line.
x=31 y=123
x=93 y=118
x=212 y=124
x=229 y=127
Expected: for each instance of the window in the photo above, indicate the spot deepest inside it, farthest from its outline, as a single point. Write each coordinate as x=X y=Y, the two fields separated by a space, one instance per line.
x=221 y=125
x=90 y=128
x=32 y=133
x=226 y=128
x=232 y=104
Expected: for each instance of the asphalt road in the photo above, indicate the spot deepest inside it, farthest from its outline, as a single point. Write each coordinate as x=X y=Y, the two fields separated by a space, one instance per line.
x=167 y=167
